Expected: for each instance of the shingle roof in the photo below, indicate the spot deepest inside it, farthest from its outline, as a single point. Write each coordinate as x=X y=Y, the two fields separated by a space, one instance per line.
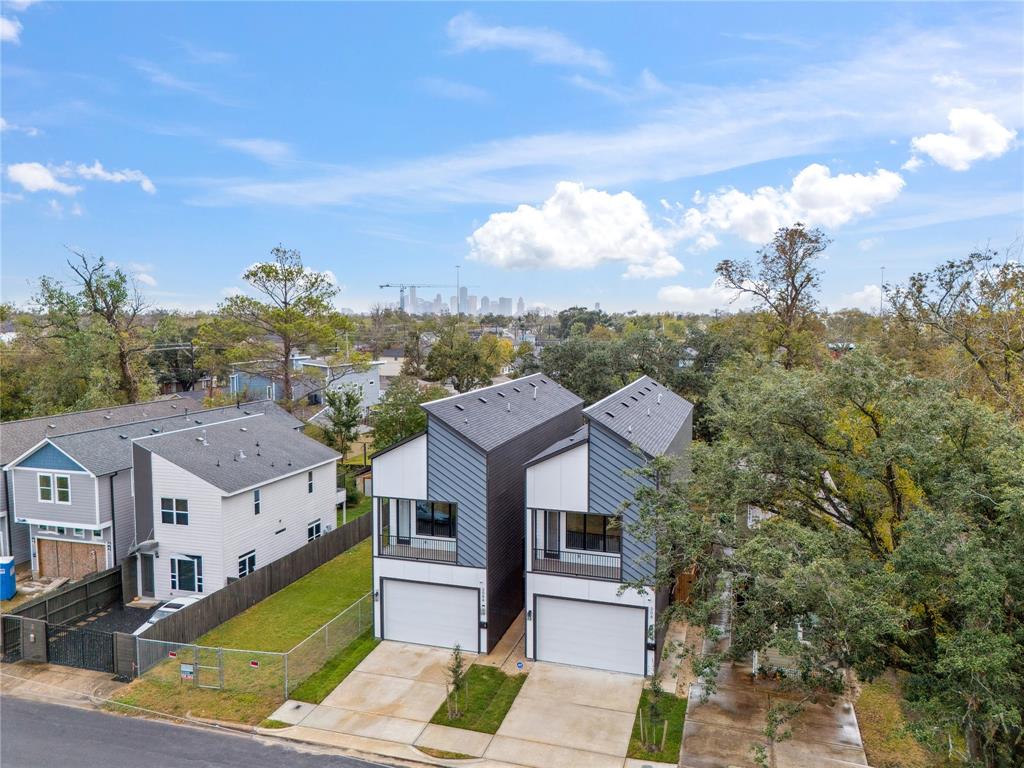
x=491 y=416
x=16 y=437
x=645 y=413
x=271 y=450
x=109 y=449
x=579 y=437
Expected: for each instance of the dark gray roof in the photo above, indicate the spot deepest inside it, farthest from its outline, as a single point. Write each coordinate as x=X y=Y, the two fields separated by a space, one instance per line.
x=579 y=437
x=109 y=449
x=271 y=448
x=16 y=437
x=491 y=416
x=645 y=413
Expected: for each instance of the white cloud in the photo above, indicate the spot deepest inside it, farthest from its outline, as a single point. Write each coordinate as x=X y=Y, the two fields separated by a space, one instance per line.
x=96 y=171
x=10 y=30
x=36 y=177
x=973 y=135
x=647 y=86
x=26 y=129
x=950 y=80
x=718 y=296
x=77 y=209
x=267 y=150
x=19 y=5
x=145 y=279
x=450 y=89
x=866 y=299
x=912 y=164
x=544 y=46
x=576 y=228
x=869 y=243
x=165 y=79
x=815 y=197
x=55 y=208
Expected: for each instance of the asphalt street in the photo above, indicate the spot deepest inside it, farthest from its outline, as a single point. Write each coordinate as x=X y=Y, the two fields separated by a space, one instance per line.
x=34 y=734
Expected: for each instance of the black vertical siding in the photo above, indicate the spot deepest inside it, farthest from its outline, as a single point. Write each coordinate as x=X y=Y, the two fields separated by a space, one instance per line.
x=142 y=465
x=506 y=518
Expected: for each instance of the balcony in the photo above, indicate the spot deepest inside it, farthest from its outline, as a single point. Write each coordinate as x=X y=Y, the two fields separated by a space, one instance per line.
x=591 y=565
x=417 y=548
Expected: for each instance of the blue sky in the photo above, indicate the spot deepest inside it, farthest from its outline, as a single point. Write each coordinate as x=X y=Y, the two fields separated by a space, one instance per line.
x=565 y=153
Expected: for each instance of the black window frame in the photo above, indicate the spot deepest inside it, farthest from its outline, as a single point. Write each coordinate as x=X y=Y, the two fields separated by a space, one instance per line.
x=246 y=563
x=314 y=530
x=590 y=539
x=430 y=525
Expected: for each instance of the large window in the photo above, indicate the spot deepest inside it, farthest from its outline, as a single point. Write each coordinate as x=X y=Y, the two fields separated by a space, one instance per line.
x=63 y=483
x=54 y=488
x=595 y=533
x=187 y=573
x=246 y=563
x=435 y=518
x=174 y=511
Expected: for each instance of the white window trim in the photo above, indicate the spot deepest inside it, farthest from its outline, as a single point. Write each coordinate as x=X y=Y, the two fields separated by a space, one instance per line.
x=309 y=481
x=310 y=524
x=56 y=492
x=39 y=488
x=257 y=501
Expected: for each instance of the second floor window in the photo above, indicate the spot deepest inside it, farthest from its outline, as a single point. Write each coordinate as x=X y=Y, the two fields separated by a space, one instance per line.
x=256 y=501
x=309 y=482
x=596 y=533
x=435 y=518
x=46 y=487
x=54 y=488
x=174 y=511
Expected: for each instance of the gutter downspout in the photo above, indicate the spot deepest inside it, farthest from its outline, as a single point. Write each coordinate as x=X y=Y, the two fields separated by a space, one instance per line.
x=10 y=512
x=113 y=518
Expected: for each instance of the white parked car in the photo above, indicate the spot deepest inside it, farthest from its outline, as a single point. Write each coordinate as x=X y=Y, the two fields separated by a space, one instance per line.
x=165 y=610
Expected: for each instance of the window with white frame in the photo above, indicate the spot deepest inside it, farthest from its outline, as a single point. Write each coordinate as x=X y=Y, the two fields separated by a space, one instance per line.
x=246 y=563
x=174 y=511
x=78 y=533
x=97 y=534
x=63 y=483
x=257 y=500
x=313 y=530
x=187 y=573
x=309 y=481
x=45 y=487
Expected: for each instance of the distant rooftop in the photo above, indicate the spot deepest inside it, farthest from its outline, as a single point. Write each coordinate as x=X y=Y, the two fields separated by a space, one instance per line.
x=645 y=413
x=240 y=453
x=491 y=416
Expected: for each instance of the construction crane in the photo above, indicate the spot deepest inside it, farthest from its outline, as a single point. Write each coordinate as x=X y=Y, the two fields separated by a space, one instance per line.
x=402 y=287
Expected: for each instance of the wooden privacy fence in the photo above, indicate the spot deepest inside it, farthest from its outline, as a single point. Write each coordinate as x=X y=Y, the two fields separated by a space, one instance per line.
x=214 y=609
x=72 y=601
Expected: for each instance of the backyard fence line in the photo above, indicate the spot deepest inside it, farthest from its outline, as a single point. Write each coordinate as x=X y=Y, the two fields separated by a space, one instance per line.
x=74 y=600
x=214 y=609
x=273 y=674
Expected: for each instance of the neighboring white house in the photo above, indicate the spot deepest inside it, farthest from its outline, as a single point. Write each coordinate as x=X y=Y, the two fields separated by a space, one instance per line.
x=213 y=503
x=580 y=549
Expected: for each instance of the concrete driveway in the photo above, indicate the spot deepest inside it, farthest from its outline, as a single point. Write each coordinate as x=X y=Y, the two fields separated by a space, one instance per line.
x=569 y=717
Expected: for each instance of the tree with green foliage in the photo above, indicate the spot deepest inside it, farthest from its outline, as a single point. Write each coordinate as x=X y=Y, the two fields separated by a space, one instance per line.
x=897 y=522
x=783 y=282
x=458 y=359
x=343 y=416
x=456 y=682
x=293 y=311
x=173 y=356
x=398 y=414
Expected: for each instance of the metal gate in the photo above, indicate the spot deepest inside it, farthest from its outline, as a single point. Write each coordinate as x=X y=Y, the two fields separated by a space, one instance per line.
x=10 y=638
x=82 y=648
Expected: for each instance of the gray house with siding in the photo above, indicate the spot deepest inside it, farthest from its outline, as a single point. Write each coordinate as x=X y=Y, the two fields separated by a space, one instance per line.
x=581 y=548
x=448 y=522
x=74 y=495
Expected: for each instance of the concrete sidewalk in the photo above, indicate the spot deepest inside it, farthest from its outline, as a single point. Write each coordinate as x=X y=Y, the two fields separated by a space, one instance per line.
x=49 y=682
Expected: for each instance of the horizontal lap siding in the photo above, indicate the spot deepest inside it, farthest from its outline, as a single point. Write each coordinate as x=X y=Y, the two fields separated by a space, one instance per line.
x=610 y=487
x=80 y=512
x=456 y=471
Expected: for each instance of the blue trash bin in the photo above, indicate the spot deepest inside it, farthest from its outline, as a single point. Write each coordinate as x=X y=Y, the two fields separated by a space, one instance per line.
x=7 y=583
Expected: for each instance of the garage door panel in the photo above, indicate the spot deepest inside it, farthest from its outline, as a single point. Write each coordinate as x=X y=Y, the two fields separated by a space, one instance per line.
x=430 y=614
x=591 y=634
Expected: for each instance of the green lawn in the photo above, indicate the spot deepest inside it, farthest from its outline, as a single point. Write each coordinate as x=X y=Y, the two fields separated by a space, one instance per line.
x=359 y=509
x=673 y=709
x=489 y=695
x=316 y=687
x=298 y=610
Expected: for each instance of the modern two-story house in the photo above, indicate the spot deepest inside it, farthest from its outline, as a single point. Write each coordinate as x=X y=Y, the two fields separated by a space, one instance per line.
x=216 y=501
x=448 y=525
x=580 y=547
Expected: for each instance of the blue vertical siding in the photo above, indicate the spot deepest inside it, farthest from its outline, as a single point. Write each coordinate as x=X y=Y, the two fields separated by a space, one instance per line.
x=48 y=456
x=610 y=487
x=456 y=471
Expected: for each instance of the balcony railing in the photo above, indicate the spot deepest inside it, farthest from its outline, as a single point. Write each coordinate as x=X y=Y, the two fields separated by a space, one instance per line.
x=417 y=548
x=593 y=565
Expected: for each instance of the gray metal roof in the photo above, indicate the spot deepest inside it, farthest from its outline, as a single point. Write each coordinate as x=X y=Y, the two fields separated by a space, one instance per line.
x=491 y=416
x=16 y=437
x=109 y=449
x=645 y=413
x=271 y=450
x=579 y=437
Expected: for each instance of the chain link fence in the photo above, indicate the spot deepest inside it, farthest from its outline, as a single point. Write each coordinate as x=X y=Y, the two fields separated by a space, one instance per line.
x=261 y=673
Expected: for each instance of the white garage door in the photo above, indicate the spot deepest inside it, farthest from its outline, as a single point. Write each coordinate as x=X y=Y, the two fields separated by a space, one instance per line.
x=597 y=635
x=431 y=614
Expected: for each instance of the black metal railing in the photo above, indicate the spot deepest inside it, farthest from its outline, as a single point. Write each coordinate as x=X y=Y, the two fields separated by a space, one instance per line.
x=594 y=542
x=417 y=548
x=593 y=565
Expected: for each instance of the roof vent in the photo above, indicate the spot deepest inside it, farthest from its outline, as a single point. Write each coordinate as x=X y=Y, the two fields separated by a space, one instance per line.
x=155 y=430
x=459 y=407
x=534 y=392
x=482 y=400
x=243 y=429
x=501 y=394
x=52 y=426
x=123 y=437
x=609 y=414
x=625 y=404
x=648 y=410
x=107 y=416
x=175 y=407
x=508 y=407
x=517 y=389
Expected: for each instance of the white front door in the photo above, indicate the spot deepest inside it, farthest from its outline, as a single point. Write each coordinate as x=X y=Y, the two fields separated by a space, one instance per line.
x=431 y=614
x=587 y=634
